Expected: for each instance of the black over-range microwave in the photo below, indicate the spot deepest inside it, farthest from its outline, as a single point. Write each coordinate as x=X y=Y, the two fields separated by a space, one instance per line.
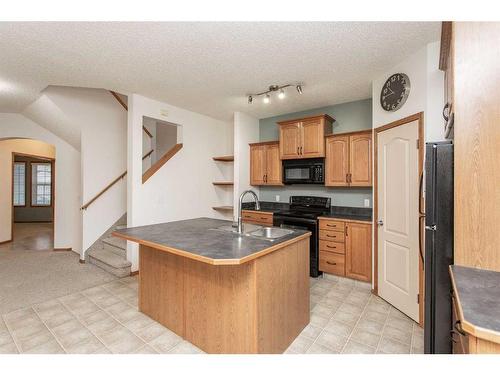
x=304 y=171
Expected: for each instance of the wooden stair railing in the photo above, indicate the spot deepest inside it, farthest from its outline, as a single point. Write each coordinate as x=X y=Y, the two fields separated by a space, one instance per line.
x=159 y=163
x=124 y=105
x=84 y=207
x=148 y=154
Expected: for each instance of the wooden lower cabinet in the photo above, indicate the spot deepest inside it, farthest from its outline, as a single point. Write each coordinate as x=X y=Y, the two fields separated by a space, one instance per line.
x=345 y=248
x=257 y=217
x=358 y=241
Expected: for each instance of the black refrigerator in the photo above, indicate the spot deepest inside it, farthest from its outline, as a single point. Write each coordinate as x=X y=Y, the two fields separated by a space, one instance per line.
x=438 y=246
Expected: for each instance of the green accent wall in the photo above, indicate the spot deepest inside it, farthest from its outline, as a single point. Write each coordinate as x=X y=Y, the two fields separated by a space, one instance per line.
x=348 y=117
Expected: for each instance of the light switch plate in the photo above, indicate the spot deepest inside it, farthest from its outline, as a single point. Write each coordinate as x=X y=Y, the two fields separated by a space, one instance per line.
x=367 y=203
x=277 y=198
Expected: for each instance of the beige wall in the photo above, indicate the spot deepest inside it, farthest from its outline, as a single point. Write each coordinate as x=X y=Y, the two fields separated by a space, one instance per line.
x=7 y=147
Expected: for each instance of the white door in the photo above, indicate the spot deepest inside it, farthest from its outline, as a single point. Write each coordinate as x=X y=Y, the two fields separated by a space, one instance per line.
x=397 y=158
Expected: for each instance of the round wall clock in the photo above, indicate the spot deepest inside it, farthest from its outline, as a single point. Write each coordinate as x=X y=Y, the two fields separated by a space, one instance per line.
x=394 y=92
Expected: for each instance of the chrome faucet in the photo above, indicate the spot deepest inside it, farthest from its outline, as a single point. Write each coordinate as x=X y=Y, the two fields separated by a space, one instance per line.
x=239 y=223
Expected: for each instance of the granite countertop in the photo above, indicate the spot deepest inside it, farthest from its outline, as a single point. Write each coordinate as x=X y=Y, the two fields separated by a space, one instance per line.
x=336 y=212
x=197 y=239
x=478 y=295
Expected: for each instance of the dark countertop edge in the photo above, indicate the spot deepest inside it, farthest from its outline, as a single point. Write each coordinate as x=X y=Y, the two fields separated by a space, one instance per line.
x=367 y=219
x=212 y=261
x=471 y=328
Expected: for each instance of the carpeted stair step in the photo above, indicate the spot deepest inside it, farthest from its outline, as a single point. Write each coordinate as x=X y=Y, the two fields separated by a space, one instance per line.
x=116 y=245
x=109 y=261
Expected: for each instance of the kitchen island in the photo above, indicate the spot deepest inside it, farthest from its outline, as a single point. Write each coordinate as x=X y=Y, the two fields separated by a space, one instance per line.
x=223 y=292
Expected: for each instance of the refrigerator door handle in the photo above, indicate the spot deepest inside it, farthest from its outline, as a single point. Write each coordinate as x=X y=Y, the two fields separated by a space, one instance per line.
x=421 y=217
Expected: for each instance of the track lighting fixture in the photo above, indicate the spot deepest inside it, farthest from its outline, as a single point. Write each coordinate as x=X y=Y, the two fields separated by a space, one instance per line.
x=274 y=88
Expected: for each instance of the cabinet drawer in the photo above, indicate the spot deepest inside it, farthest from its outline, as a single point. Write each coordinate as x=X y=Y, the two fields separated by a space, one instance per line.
x=332 y=263
x=332 y=247
x=331 y=225
x=255 y=217
x=330 y=235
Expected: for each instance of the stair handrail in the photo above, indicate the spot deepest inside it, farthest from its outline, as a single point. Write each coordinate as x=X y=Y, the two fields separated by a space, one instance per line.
x=124 y=105
x=84 y=207
x=109 y=186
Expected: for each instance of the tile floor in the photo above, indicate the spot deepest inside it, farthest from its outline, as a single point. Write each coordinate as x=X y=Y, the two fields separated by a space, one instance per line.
x=345 y=318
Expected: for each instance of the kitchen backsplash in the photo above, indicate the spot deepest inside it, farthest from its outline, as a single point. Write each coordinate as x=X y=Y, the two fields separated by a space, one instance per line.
x=349 y=197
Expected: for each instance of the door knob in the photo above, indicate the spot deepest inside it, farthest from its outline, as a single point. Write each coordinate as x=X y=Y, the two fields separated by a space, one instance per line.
x=380 y=222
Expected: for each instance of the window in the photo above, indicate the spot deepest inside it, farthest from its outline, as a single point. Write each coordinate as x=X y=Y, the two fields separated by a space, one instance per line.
x=19 y=184
x=41 y=184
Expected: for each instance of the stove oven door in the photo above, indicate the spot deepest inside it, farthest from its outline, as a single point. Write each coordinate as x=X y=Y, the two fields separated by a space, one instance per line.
x=305 y=224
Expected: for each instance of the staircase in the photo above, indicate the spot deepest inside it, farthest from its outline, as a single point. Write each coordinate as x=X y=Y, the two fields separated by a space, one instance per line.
x=110 y=253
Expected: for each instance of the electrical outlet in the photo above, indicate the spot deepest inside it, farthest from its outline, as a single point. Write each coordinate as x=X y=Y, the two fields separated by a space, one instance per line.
x=277 y=198
x=367 y=203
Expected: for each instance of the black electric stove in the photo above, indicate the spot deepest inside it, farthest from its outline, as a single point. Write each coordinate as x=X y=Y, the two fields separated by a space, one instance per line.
x=303 y=213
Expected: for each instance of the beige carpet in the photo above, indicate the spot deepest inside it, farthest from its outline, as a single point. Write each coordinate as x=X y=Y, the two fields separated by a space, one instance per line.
x=29 y=277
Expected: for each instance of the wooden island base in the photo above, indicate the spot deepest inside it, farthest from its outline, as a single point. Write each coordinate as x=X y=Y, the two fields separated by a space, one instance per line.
x=259 y=306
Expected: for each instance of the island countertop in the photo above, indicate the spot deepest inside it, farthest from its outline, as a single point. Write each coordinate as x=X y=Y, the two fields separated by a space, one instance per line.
x=198 y=239
x=478 y=297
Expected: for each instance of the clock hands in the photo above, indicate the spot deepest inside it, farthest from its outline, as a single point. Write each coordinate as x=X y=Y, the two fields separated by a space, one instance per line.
x=385 y=96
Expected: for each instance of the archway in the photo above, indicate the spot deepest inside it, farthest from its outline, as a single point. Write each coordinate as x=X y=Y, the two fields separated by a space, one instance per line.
x=27 y=194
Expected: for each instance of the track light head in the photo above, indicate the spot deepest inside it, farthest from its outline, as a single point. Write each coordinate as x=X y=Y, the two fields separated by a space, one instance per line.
x=250 y=99
x=299 y=89
x=266 y=99
x=281 y=94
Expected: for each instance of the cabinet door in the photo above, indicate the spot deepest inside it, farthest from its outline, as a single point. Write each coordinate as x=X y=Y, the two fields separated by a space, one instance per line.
x=290 y=141
x=257 y=164
x=358 y=251
x=337 y=161
x=360 y=159
x=313 y=140
x=273 y=165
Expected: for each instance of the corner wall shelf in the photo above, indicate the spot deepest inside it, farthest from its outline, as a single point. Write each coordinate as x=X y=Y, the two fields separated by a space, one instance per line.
x=223 y=183
x=223 y=208
x=228 y=158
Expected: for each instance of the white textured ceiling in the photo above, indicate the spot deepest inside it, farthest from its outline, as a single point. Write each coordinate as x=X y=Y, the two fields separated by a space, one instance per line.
x=206 y=67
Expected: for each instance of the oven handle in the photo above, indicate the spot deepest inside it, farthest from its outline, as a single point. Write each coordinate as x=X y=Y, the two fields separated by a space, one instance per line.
x=293 y=219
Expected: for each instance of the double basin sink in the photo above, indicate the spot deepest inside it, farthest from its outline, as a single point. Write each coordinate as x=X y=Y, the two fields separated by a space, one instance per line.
x=257 y=231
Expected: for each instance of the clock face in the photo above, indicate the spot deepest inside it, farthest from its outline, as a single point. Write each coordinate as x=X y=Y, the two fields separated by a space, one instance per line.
x=395 y=92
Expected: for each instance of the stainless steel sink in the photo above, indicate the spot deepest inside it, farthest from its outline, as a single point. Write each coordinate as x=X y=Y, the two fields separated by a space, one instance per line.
x=257 y=231
x=270 y=233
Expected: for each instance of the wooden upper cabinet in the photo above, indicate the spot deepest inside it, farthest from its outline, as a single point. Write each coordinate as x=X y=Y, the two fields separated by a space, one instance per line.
x=313 y=138
x=360 y=159
x=257 y=164
x=274 y=170
x=349 y=159
x=358 y=251
x=290 y=140
x=304 y=138
x=265 y=164
x=337 y=161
